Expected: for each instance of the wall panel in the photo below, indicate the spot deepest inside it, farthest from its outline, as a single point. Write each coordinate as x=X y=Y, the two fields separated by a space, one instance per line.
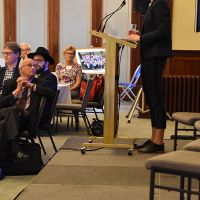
x=32 y=22
x=75 y=24
x=9 y=20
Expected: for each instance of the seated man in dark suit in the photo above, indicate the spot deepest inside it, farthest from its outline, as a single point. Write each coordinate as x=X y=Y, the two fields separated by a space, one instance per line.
x=43 y=60
x=11 y=53
x=20 y=105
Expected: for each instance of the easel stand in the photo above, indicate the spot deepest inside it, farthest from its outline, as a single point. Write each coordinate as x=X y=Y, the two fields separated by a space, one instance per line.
x=135 y=104
x=110 y=93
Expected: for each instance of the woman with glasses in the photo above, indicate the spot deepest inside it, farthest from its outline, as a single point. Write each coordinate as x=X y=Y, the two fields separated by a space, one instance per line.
x=70 y=71
x=11 y=53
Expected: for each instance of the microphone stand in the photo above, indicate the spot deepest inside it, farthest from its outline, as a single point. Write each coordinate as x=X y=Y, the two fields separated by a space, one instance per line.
x=107 y=17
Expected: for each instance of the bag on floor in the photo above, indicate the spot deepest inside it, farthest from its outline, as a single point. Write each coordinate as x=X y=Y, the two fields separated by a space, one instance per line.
x=97 y=127
x=27 y=167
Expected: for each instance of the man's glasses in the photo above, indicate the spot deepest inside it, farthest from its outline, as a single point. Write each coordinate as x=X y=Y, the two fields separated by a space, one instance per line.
x=6 y=53
x=27 y=65
x=25 y=49
x=38 y=60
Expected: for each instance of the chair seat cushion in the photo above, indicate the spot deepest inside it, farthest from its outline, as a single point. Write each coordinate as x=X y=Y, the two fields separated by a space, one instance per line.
x=188 y=118
x=193 y=146
x=197 y=125
x=184 y=161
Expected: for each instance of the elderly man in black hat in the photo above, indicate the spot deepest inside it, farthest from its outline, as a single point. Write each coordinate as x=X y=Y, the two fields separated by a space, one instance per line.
x=43 y=60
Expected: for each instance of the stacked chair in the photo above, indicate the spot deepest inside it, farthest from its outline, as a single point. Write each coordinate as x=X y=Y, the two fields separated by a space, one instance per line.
x=186 y=118
x=184 y=163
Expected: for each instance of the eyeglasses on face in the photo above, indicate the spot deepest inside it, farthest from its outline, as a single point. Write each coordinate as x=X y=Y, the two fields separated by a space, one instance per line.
x=26 y=49
x=69 y=53
x=38 y=60
x=28 y=65
x=4 y=53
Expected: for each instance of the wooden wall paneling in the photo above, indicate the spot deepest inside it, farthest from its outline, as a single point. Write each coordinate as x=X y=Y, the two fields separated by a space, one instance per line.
x=185 y=63
x=97 y=10
x=54 y=30
x=9 y=20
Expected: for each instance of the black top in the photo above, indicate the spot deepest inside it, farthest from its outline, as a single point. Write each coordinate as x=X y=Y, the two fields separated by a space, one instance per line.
x=156 y=31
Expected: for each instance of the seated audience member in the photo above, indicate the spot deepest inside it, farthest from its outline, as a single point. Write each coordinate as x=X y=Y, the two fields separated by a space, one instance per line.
x=70 y=71
x=42 y=61
x=19 y=105
x=25 y=50
x=11 y=53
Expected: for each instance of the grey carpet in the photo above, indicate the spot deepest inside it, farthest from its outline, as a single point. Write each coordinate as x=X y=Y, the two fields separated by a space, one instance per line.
x=108 y=174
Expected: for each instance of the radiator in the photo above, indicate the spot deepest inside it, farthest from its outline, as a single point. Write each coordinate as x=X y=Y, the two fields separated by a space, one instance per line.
x=182 y=93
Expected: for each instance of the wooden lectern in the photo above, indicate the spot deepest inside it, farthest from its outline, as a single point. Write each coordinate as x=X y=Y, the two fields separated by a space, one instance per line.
x=111 y=92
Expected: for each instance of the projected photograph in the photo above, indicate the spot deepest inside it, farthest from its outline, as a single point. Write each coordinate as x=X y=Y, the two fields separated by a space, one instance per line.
x=91 y=59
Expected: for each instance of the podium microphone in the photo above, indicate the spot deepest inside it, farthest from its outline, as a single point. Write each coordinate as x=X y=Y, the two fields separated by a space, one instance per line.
x=107 y=17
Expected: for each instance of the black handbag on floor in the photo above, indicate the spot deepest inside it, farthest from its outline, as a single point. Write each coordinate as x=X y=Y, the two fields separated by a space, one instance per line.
x=97 y=127
x=26 y=167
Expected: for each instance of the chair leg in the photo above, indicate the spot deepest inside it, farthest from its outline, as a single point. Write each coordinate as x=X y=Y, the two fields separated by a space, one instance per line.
x=199 y=189
x=51 y=138
x=57 y=122
x=68 y=122
x=195 y=134
x=76 y=117
x=175 y=135
x=43 y=149
x=87 y=124
x=95 y=113
x=182 y=188
x=189 y=188
x=152 y=184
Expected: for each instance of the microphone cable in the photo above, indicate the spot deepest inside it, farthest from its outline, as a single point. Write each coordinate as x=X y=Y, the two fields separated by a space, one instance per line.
x=109 y=16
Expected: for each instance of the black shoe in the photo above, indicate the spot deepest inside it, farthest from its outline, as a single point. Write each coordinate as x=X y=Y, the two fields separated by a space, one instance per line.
x=140 y=146
x=21 y=156
x=153 y=148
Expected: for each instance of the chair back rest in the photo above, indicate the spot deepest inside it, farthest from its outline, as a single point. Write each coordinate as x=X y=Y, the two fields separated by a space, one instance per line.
x=41 y=108
x=136 y=76
x=53 y=106
x=87 y=94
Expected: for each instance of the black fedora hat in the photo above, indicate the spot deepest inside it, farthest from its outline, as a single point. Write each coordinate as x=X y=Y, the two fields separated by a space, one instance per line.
x=43 y=52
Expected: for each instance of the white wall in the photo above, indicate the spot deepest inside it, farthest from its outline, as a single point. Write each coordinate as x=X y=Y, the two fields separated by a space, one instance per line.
x=2 y=26
x=183 y=26
x=118 y=26
x=32 y=22
x=75 y=24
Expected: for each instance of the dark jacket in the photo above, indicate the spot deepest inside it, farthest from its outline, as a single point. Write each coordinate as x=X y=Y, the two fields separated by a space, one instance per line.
x=8 y=98
x=48 y=80
x=156 y=31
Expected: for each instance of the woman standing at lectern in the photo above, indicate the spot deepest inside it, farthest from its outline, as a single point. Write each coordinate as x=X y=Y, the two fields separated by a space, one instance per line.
x=155 y=47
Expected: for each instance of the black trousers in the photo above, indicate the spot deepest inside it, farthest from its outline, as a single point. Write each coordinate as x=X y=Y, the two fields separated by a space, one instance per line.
x=11 y=117
x=8 y=130
x=151 y=73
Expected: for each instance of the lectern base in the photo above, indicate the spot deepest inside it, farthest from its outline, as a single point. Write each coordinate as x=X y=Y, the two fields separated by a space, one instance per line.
x=130 y=147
